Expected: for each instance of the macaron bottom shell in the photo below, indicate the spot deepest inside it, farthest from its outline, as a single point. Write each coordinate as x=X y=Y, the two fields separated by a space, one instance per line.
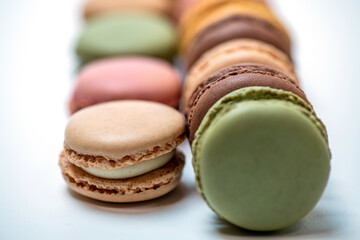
x=261 y=165
x=145 y=187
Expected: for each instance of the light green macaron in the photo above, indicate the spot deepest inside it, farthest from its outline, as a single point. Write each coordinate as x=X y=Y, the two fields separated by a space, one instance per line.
x=127 y=34
x=261 y=158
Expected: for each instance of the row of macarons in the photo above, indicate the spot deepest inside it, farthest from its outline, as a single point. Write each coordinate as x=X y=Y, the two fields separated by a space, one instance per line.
x=217 y=35
x=124 y=39
x=92 y=162
x=238 y=114
x=117 y=149
x=111 y=31
x=143 y=27
x=260 y=153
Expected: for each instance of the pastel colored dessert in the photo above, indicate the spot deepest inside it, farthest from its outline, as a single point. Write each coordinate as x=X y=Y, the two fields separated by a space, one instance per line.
x=181 y=7
x=261 y=158
x=230 y=79
x=233 y=52
x=127 y=34
x=94 y=8
x=209 y=12
x=235 y=27
x=142 y=78
x=123 y=151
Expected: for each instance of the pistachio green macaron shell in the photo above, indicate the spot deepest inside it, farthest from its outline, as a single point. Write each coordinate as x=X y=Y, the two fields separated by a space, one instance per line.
x=261 y=164
x=127 y=34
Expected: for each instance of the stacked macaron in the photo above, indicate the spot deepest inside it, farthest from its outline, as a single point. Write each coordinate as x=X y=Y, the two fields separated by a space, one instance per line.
x=120 y=143
x=260 y=153
x=120 y=151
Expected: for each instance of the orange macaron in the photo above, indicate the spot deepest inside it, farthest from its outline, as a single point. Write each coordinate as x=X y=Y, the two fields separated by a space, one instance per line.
x=206 y=13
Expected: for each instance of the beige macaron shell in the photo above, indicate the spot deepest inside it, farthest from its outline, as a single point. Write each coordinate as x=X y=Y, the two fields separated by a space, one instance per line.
x=233 y=52
x=145 y=187
x=119 y=129
x=98 y=7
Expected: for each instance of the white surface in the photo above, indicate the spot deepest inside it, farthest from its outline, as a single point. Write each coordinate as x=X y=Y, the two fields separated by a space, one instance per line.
x=36 y=74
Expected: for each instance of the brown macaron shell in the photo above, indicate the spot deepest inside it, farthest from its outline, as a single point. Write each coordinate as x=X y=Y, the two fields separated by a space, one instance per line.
x=230 y=79
x=141 y=188
x=236 y=26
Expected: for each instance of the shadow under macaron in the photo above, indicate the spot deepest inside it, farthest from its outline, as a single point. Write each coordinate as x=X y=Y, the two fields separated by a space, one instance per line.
x=169 y=200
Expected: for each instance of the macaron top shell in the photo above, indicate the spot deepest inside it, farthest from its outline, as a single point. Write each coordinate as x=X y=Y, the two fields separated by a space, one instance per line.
x=127 y=34
x=140 y=78
x=140 y=188
x=123 y=132
x=275 y=155
x=233 y=52
x=94 y=8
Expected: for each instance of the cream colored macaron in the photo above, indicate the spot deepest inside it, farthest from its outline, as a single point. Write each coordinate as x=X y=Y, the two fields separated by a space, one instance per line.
x=234 y=52
x=123 y=151
x=94 y=8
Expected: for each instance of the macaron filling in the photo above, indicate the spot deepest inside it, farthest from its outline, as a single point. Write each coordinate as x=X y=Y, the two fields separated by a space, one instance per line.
x=133 y=170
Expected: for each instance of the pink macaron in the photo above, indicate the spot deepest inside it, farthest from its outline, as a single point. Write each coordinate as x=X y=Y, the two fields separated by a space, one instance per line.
x=141 y=78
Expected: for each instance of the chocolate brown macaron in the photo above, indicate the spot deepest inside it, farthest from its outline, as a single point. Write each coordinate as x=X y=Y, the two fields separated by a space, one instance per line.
x=123 y=151
x=230 y=79
x=235 y=27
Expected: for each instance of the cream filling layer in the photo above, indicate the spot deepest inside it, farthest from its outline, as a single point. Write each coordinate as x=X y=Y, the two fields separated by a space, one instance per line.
x=133 y=170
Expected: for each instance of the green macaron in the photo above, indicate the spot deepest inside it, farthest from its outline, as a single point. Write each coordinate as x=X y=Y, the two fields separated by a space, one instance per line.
x=127 y=34
x=261 y=158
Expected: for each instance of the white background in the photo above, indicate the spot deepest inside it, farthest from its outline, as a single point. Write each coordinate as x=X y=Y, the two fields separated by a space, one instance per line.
x=37 y=70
